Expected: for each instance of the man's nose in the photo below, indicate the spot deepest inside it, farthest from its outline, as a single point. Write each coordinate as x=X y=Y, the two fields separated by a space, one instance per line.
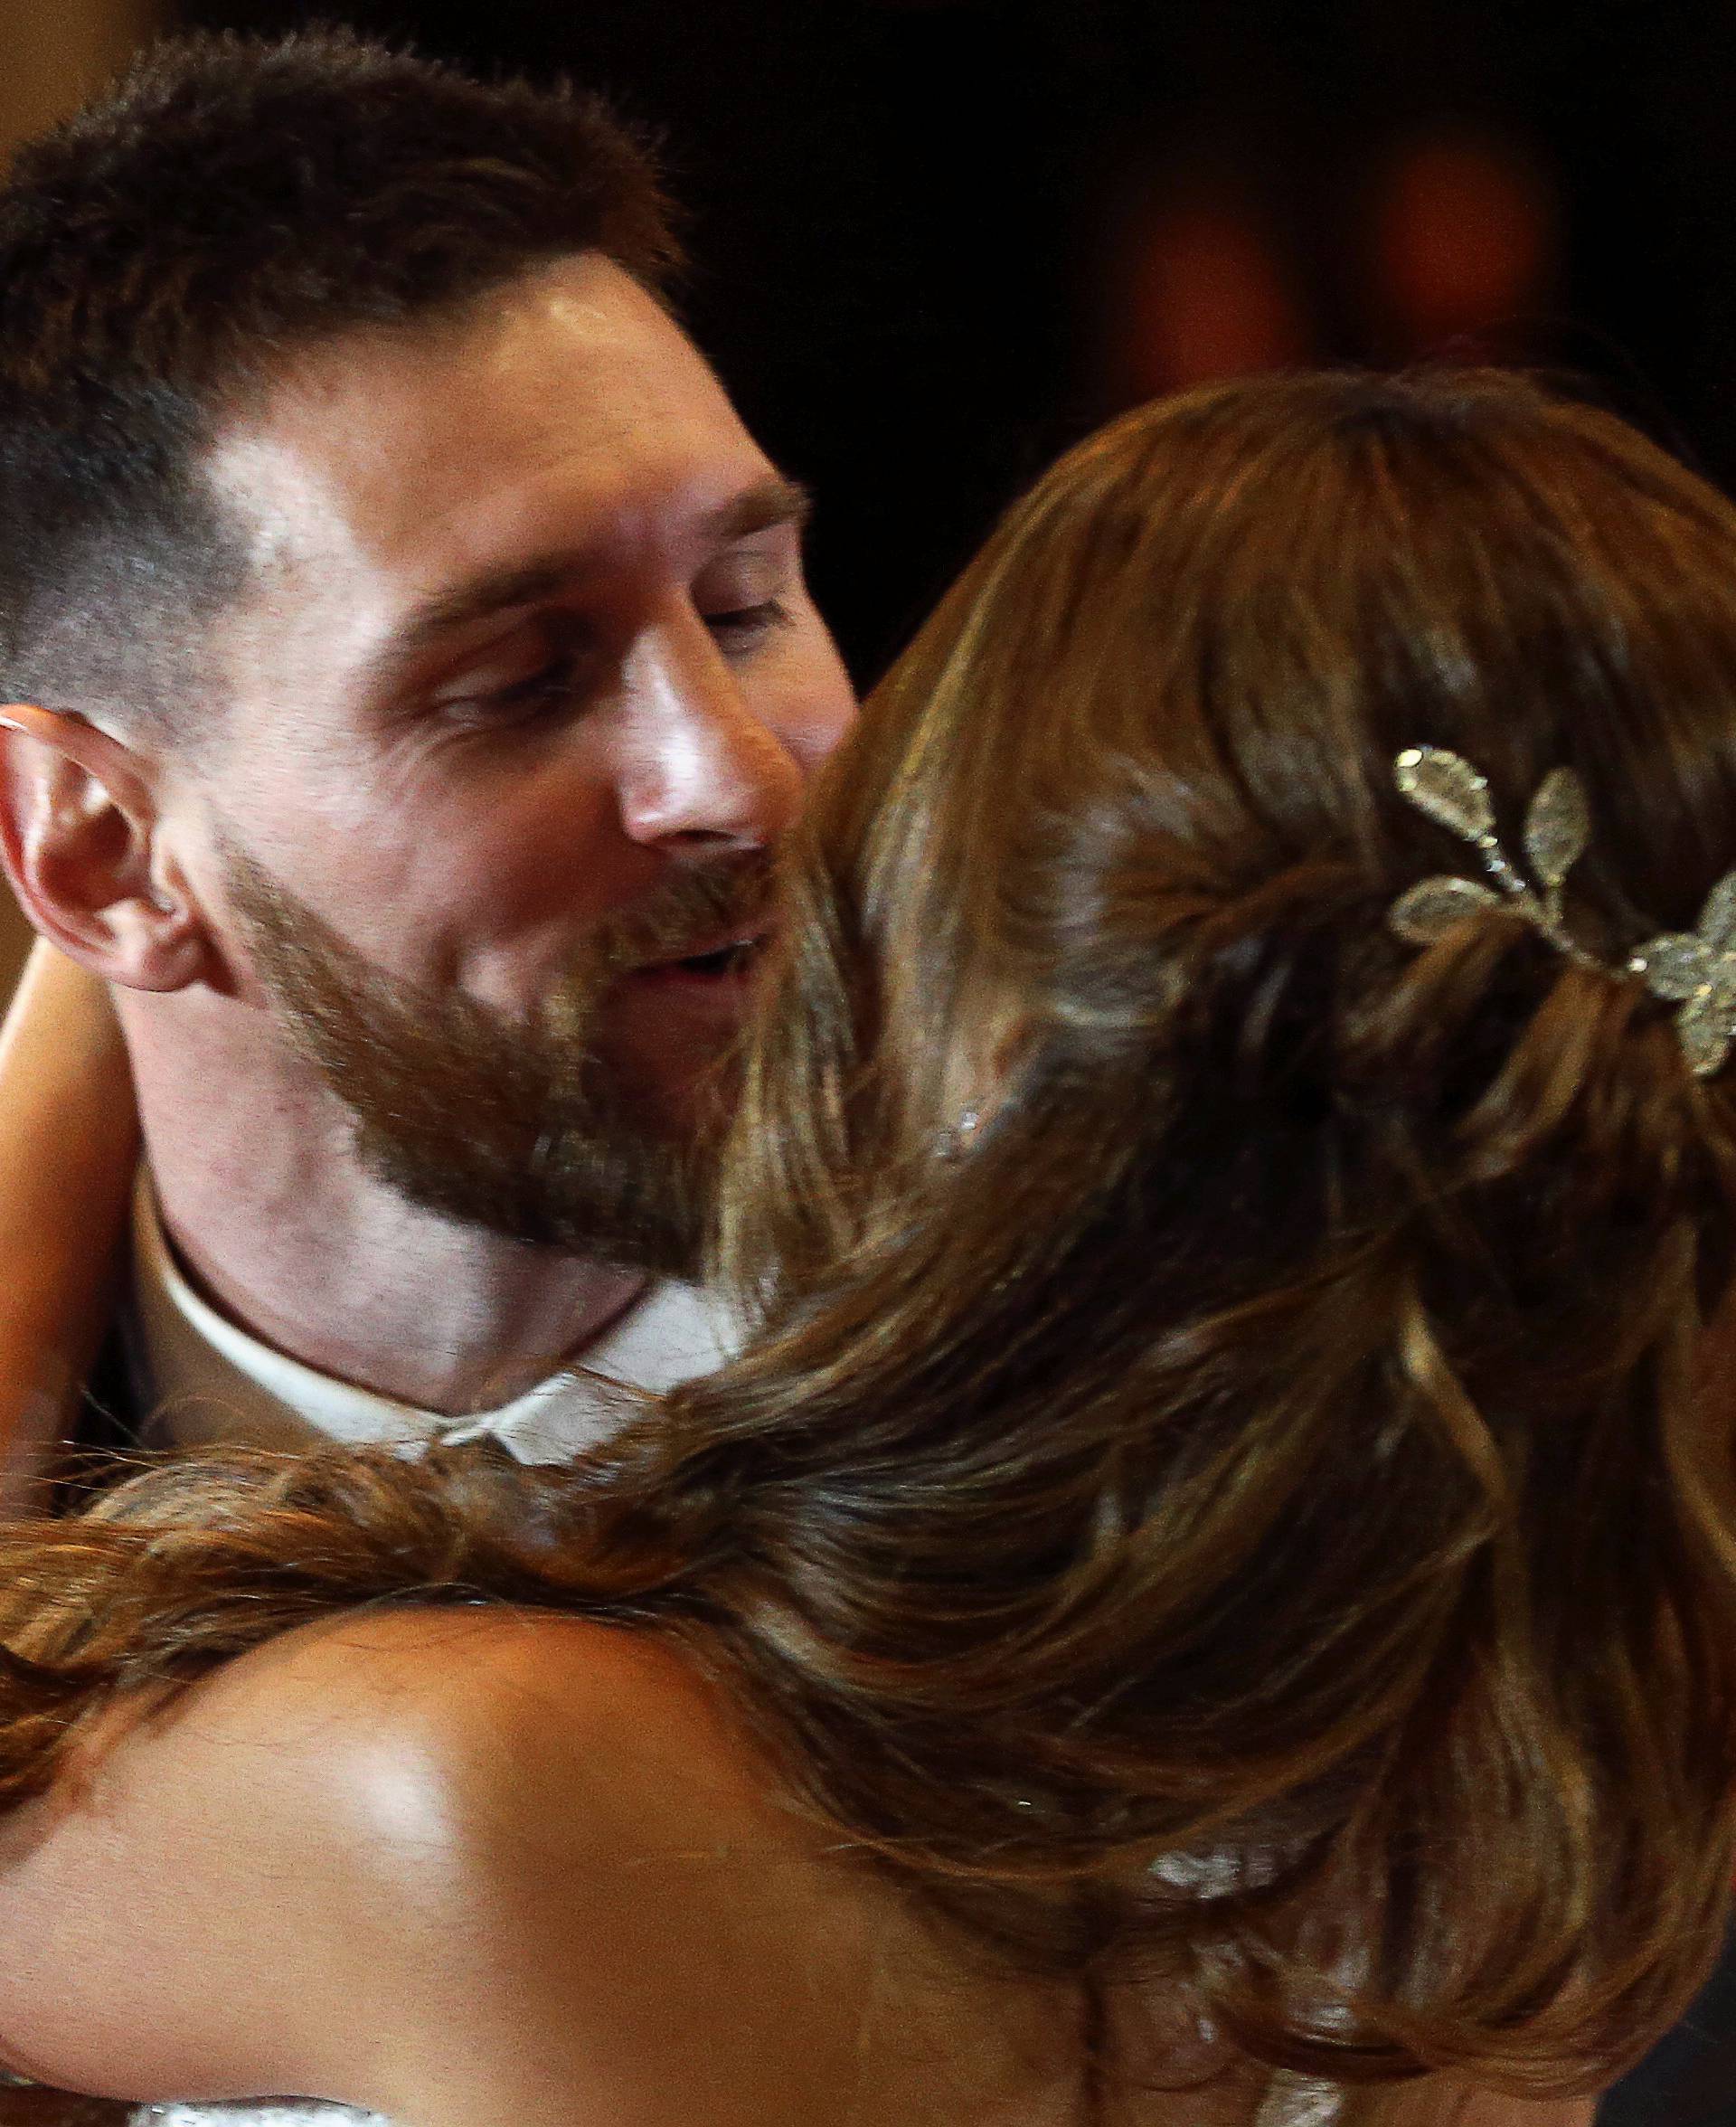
x=708 y=767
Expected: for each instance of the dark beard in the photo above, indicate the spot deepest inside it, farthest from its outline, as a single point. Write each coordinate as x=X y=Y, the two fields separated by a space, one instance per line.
x=524 y=1127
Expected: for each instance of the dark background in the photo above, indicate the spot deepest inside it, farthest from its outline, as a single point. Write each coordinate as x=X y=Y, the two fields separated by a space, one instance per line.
x=936 y=240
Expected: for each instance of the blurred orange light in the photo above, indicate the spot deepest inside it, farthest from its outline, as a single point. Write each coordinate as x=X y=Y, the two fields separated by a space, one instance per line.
x=1206 y=297
x=1464 y=238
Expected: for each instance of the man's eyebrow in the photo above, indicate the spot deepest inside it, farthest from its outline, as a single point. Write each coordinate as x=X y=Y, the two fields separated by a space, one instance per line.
x=762 y=507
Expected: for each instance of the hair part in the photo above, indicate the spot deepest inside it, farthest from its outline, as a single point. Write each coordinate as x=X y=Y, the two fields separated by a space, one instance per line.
x=229 y=203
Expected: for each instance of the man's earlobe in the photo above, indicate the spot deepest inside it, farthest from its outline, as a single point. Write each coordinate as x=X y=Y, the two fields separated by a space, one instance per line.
x=80 y=838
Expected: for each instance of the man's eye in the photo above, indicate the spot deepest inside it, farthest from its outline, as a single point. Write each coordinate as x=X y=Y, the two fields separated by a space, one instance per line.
x=552 y=688
x=742 y=628
x=554 y=683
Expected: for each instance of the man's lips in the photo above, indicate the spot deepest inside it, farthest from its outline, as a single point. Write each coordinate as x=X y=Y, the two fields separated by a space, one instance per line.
x=717 y=958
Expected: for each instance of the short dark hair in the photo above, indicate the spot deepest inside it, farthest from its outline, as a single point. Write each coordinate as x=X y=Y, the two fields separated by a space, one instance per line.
x=229 y=201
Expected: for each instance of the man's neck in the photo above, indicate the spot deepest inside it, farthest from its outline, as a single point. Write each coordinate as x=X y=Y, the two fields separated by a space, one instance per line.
x=272 y=1216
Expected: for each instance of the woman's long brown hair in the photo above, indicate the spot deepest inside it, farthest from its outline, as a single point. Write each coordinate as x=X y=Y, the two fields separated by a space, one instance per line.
x=1278 y=1439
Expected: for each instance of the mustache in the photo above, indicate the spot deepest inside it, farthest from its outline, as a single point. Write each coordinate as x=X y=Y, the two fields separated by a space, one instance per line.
x=687 y=913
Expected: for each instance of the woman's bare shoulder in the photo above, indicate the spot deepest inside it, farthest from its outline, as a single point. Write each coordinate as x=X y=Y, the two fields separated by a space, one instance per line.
x=358 y=1826
x=519 y=1734
x=460 y=1866
x=460 y=1691
x=641 y=1892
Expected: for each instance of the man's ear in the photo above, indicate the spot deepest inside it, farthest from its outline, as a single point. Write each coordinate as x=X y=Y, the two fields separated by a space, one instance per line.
x=81 y=843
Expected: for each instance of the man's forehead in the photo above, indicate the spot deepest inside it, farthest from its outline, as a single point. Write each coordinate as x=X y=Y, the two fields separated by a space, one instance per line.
x=335 y=512
x=572 y=412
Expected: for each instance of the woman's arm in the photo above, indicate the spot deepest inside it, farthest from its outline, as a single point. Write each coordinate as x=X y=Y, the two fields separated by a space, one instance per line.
x=69 y=1143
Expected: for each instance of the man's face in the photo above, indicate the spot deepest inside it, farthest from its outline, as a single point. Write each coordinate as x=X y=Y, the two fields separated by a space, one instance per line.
x=527 y=687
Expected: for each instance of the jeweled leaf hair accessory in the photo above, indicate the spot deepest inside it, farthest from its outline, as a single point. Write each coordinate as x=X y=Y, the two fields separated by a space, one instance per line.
x=1696 y=968
x=1451 y=792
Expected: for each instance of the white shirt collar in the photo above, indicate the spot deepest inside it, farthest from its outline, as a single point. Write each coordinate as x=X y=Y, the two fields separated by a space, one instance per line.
x=208 y=1382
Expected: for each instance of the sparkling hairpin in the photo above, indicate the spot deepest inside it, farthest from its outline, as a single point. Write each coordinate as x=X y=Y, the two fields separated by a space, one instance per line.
x=1695 y=970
